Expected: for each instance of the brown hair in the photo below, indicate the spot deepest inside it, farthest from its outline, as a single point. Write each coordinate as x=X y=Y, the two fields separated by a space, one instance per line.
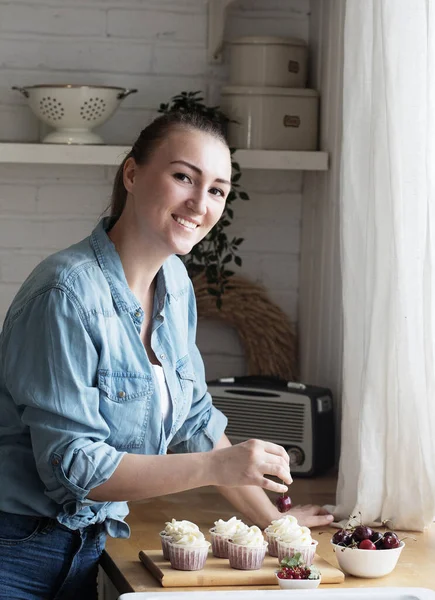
x=148 y=140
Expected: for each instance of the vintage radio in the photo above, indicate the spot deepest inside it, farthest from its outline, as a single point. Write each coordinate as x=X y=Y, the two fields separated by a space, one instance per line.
x=299 y=417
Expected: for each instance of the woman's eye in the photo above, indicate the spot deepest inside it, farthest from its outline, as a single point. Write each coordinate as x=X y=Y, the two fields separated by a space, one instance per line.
x=217 y=192
x=182 y=177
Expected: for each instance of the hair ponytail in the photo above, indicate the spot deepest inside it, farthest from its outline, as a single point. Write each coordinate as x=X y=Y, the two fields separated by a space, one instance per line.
x=119 y=193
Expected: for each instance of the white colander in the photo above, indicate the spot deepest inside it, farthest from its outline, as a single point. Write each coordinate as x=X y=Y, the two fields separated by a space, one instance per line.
x=73 y=110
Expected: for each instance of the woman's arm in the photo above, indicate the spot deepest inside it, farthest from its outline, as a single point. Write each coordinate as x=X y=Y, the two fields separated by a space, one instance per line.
x=138 y=477
x=255 y=505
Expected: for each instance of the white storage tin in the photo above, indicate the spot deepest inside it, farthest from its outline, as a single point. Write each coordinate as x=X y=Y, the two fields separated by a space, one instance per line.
x=271 y=118
x=268 y=61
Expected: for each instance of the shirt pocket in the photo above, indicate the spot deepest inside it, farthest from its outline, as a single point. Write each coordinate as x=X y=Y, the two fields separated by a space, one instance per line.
x=125 y=400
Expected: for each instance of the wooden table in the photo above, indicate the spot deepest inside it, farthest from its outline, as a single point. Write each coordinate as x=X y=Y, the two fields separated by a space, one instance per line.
x=205 y=505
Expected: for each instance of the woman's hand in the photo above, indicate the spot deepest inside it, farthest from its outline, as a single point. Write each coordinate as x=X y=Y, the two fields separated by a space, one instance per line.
x=311 y=515
x=247 y=463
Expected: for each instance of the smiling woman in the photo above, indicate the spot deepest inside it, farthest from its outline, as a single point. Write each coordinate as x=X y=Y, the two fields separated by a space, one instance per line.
x=177 y=194
x=100 y=375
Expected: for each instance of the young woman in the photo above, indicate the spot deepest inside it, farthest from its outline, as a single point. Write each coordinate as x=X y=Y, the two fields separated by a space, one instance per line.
x=102 y=389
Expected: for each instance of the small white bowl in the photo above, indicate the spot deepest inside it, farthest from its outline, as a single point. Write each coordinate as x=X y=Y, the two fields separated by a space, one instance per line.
x=298 y=584
x=367 y=563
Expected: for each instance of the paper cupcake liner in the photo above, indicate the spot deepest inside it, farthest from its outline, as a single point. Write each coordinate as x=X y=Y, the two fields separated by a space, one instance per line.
x=272 y=549
x=246 y=557
x=186 y=558
x=165 y=539
x=219 y=544
x=289 y=549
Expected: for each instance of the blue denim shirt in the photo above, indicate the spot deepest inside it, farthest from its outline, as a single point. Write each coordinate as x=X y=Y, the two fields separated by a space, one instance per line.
x=77 y=389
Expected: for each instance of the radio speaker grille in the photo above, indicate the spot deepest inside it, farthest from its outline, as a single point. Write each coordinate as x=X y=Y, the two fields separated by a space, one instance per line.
x=271 y=420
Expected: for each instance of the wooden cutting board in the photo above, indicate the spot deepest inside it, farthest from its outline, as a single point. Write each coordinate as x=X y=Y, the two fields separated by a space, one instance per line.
x=217 y=572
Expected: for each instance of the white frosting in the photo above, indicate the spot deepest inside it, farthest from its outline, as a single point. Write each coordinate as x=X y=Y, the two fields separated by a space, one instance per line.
x=252 y=536
x=190 y=538
x=281 y=526
x=174 y=527
x=299 y=536
x=229 y=528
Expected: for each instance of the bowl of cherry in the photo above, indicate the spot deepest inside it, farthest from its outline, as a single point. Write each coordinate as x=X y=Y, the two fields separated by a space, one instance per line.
x=363 y=552
x=294 y=574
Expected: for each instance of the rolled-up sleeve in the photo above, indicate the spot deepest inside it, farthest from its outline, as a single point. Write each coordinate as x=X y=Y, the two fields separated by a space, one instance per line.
x=205 y=424
x=50 y=369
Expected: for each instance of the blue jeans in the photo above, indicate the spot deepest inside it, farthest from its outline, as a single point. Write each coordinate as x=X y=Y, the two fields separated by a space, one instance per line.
x=43 y=560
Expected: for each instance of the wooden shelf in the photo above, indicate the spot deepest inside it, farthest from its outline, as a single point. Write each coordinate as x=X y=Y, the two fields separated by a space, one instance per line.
x=286 y=160
x=58 y=154
x=62 y=154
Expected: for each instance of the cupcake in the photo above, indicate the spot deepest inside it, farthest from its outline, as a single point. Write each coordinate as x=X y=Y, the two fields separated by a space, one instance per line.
x=296 y=540
x=174 y=527
x=277 y=528
x=188 y=551
x=247 y=549
x=222 y=532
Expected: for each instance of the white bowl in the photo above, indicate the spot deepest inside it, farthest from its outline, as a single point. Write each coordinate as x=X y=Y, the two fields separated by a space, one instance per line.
x=298 y=584
x=73 y=110
x=367 y=563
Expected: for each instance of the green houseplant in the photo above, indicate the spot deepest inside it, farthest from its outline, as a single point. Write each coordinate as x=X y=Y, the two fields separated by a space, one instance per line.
x=215 y=253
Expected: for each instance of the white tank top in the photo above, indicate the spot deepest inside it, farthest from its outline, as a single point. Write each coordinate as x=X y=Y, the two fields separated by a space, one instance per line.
x=165 y=400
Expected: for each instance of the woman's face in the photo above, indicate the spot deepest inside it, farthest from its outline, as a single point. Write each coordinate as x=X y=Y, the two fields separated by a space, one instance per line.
x=180 y=193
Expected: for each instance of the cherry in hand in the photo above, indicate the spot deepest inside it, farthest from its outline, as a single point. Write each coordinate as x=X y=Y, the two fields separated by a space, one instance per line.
x=283 y=503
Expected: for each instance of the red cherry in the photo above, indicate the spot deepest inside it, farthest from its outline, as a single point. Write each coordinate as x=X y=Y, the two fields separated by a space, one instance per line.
x=362 y=533
x=390 y=540
x=376 y=537
x=342 y=537
x=367 y=545
x=283 y=503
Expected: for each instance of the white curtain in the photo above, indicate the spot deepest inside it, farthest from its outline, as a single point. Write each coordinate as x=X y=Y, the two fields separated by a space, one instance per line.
x=387 y=465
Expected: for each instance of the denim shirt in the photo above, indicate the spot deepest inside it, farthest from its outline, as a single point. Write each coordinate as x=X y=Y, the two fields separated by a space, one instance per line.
x=77 y=390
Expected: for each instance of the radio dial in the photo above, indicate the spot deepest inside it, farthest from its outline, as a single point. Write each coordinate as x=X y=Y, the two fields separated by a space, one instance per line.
x=296 y=456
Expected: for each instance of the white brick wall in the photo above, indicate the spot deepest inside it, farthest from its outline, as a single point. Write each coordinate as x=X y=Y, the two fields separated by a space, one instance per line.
x=159 y=47
x=38 y=19
x=181 y=26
